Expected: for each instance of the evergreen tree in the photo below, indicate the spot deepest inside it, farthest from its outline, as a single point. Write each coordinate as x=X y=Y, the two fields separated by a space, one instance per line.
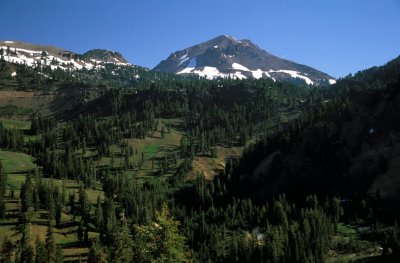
x=97 y=254
x=123 y=245
x=7 y=251
x=51 y=247
x=41 y=252
x=26 y=250
x=161 y=241
x=3 y=185
x=99 y=214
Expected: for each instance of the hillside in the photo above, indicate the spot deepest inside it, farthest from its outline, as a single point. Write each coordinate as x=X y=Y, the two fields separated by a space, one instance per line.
x=105 y=167
x=225 y=56
x=346 y=146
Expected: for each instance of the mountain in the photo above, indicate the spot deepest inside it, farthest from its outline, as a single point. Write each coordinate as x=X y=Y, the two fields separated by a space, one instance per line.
x=37 y=55
x=21 y=64
x=105 y=56
x=225 y=56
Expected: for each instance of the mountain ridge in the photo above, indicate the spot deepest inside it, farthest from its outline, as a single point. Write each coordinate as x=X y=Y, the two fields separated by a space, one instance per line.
x=20 y=52
x=226 y=56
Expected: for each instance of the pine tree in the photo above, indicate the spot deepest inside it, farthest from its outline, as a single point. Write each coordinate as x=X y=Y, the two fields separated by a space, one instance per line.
x=7 y=251
x=27 y=194
x=108 y=231
x=84 y=204
x=3 y=185
x=123 y=245
x=162 y=132
x=41 y=252
x=99 y=214
x=80 y=231
x=161 y=241
x=26 y=250
x=97 y=254
x=51 y=246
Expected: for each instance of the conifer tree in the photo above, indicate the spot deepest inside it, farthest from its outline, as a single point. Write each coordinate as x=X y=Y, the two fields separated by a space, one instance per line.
x=41 y=252
x=7 y=251
x=97 y=254
x=161 y=241
x=123 y=244
x=99 y=214
x=26 y=250
x=3 y=185
x=51 y=246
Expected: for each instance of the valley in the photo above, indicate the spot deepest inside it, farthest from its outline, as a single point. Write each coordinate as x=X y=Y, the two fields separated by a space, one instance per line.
x=120 y=163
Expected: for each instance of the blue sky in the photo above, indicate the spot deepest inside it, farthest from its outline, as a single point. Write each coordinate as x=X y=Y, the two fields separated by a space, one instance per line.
x=336 y=36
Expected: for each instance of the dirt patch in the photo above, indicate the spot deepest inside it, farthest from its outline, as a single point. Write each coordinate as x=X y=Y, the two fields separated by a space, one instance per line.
x=209 y=167
x=7 y=94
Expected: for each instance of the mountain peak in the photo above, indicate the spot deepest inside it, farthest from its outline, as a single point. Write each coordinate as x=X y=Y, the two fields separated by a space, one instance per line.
x=105 y=55
x=225 y=37
x=227 y=57
x=222 y=41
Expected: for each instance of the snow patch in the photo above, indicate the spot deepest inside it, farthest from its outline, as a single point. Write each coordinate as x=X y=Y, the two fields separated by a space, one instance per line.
x=215 y=46
x=190 y=67
x=257 y=74
x=13 y=74
x=183 y=59
x=332 y=81
x=8 y=42
x=295 y=74
x=237 y=66
x=239 y=75
x=208 y=72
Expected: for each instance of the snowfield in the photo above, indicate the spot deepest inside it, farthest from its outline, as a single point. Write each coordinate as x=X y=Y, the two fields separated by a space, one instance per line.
x=213 y=72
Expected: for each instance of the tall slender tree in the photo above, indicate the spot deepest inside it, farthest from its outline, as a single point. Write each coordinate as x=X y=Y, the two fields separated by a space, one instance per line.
x=3 y=185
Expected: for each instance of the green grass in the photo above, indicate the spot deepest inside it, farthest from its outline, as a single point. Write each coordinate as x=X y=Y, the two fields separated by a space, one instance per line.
x=20 y=125
x=14 y=162
x=14 y=181
x=16 y=124
x=9 y=231
x=345 y=229
x=151 y=148
x=66 y=240
x=32 y=138
x=348 y=246
x=12 y=110
x=347 y=232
